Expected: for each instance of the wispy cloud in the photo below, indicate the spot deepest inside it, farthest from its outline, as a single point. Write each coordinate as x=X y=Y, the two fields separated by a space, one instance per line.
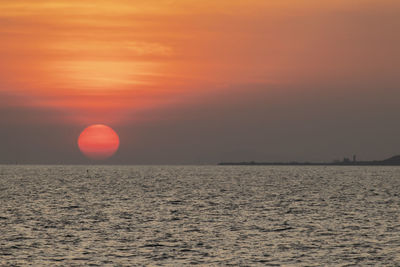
x=154 y=49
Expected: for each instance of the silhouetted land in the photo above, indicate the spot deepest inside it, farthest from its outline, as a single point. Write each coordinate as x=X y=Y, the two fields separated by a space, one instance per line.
x=393 y=161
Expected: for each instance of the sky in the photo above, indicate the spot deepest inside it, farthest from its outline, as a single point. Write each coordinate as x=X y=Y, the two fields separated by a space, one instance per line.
x=199 y=82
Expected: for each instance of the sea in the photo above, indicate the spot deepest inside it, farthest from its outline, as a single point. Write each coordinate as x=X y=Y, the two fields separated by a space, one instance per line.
x=199 y=215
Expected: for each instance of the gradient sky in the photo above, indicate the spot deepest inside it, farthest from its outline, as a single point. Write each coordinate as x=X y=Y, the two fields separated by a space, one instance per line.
x=195 y=82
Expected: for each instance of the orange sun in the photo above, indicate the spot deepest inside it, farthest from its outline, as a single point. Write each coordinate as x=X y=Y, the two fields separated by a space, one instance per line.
x=98 y=142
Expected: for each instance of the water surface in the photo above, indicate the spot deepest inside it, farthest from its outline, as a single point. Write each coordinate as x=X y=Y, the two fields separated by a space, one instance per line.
x=208 y=215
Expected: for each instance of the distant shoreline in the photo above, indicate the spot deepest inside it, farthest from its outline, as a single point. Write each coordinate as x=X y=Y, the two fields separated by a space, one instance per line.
x=301 y=164
x=393 y=161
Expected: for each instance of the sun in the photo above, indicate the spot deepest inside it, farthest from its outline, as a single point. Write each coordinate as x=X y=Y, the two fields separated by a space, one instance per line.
x=98 y=142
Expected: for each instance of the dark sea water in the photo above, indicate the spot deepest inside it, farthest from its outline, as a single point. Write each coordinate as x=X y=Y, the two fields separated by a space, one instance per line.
x=209 y=216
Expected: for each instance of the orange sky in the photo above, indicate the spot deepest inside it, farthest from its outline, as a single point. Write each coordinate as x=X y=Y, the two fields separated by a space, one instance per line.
x=99 y=61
